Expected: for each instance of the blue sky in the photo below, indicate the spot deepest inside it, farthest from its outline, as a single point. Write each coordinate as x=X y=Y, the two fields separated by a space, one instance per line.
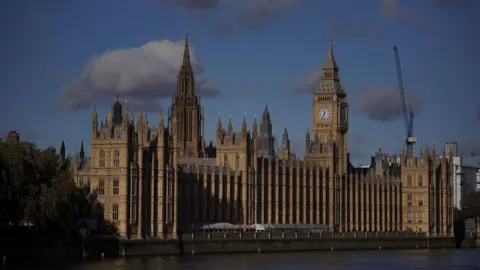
x=251 y=54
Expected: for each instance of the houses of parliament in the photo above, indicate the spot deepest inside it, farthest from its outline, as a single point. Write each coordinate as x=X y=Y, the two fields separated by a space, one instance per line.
x=157 y=180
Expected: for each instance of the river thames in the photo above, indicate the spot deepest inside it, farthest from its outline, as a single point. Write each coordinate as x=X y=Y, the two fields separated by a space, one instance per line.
x=401 y=260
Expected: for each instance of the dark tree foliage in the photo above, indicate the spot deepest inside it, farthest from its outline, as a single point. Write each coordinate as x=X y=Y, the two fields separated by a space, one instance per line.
x=37 y=189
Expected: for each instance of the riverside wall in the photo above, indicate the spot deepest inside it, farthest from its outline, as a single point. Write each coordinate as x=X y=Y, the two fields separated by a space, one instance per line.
x=268 y=242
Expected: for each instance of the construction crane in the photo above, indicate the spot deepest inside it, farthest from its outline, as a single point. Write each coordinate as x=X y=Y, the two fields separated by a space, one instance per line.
x=407 y=113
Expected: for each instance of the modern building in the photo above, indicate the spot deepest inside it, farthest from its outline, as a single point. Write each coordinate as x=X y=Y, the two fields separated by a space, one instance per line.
x=465 y=177
x=154 y=181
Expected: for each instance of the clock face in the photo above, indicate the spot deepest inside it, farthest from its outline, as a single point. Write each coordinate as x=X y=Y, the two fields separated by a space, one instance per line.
x=324 y=114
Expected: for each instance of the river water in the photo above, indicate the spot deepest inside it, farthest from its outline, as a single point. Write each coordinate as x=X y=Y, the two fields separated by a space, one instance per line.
x=371 y=260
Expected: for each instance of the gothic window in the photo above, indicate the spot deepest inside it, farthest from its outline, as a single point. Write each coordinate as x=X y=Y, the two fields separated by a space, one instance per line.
x=420 y=217
x=409 y=215
x=409 y=199
x=101 y=186
x=101 y=159
x=115 y=210
x=116 y=186
x=225 y=159
x=116 y=158
x=420 y=199
x=237 y=161
x=420 y=181
x=409 y=181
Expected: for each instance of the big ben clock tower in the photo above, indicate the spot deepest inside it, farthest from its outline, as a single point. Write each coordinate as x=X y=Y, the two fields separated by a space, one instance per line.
x=329 y=119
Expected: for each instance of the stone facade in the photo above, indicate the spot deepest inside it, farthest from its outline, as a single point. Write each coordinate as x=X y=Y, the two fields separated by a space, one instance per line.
x=156 y=181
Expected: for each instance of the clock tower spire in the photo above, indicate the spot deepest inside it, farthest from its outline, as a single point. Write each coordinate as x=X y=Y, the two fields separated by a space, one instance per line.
x=330 y=118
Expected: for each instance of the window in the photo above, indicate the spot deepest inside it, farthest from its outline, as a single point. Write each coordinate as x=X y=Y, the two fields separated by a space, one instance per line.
x=116 y=186
x=134 y=211
x=409 y=199
x=409 y=181
x=237 y=161
x=101 y=186
x=81 y=182
x=420 y=181
x=101 y=159
x=420 y=217
x=115 y=209
x=420 y=199
x=116 y=158
x=225 y=159
x=409 y=216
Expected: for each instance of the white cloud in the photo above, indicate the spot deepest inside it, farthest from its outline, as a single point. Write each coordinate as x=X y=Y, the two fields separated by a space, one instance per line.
x=142 y=75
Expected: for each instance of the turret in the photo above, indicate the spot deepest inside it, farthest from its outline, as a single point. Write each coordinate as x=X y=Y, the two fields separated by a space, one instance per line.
x=219 y=130
x=109 y=116
x=255 y=128
x=230 y=126
x=139 y=127
x=62 y=150
x=82 y=152
x=308 y=143
x=94 y=123
x=244 y=126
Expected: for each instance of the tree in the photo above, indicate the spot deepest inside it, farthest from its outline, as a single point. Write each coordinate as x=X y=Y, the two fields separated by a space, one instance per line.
x=37 y=188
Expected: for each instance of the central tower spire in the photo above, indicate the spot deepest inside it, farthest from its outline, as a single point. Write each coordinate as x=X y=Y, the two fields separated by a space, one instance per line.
x=186 y=54
x=187 y=110
x=330 y=63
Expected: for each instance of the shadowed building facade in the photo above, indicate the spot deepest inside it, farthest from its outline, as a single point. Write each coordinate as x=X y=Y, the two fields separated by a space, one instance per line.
x=157 y=180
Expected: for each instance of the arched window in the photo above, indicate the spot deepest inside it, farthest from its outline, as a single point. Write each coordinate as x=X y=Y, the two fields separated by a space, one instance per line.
x=225 y=159
x=116 y=159
x=409 y=181
x=237 y=161
x=116 y=185
x=101 y=159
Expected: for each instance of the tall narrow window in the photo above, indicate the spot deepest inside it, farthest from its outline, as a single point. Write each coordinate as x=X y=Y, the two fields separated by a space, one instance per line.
x=116 y=186
x=115 y=210
x=225 y=160
x=420 y=199
x=409 y=215
x=409 y=199
x=116 y=158
x=101 y=186
x=237 y=161
x=420 y=216
x=409 y=181
x=420 y=181
x=101 y=159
